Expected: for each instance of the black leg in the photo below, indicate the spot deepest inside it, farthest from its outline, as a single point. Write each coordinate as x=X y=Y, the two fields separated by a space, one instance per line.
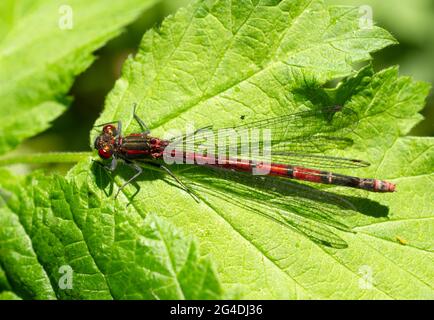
x=139 y=171
x=140 y=121
x=110 y=167
x=194 y=196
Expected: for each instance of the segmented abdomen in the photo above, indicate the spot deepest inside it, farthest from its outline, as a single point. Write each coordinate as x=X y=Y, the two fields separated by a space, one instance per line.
x=306 y=174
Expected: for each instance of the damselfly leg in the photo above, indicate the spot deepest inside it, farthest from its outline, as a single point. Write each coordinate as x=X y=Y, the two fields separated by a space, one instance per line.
x=188 y=190
x=111 y=167
x=139 y=171
x=140 y=121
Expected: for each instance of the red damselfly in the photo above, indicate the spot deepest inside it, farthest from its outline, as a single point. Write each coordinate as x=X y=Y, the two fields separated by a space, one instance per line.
x=295 y=147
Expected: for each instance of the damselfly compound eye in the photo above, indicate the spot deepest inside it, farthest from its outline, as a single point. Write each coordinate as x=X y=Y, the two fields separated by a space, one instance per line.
x=110 y=129
x=105 y=153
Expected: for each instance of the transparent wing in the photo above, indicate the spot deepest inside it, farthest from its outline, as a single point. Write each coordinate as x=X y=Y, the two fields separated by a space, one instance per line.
x=296 y=139
x=335 y=121
x=312 y=212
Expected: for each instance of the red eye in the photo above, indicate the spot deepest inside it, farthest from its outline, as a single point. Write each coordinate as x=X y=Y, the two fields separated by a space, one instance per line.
x=105 y=154
x=110 y=129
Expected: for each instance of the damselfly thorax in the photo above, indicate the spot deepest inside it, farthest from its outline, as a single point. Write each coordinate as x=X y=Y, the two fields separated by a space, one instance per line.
x=134 y=146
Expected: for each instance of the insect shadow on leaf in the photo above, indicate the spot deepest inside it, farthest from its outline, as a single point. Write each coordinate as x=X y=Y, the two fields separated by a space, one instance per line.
x=308 y=210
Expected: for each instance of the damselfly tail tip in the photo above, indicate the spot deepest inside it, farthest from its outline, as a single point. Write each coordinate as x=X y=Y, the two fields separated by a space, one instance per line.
x=388 y=186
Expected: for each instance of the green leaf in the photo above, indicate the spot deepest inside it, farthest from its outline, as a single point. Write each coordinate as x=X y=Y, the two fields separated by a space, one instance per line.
x=218 y=60
x=19 y=260
x=6 y=295
x=51 y=226
x=412 y=23
x=39 y=58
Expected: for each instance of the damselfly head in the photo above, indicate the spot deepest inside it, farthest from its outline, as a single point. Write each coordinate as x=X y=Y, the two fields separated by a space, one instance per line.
x=104 y=143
